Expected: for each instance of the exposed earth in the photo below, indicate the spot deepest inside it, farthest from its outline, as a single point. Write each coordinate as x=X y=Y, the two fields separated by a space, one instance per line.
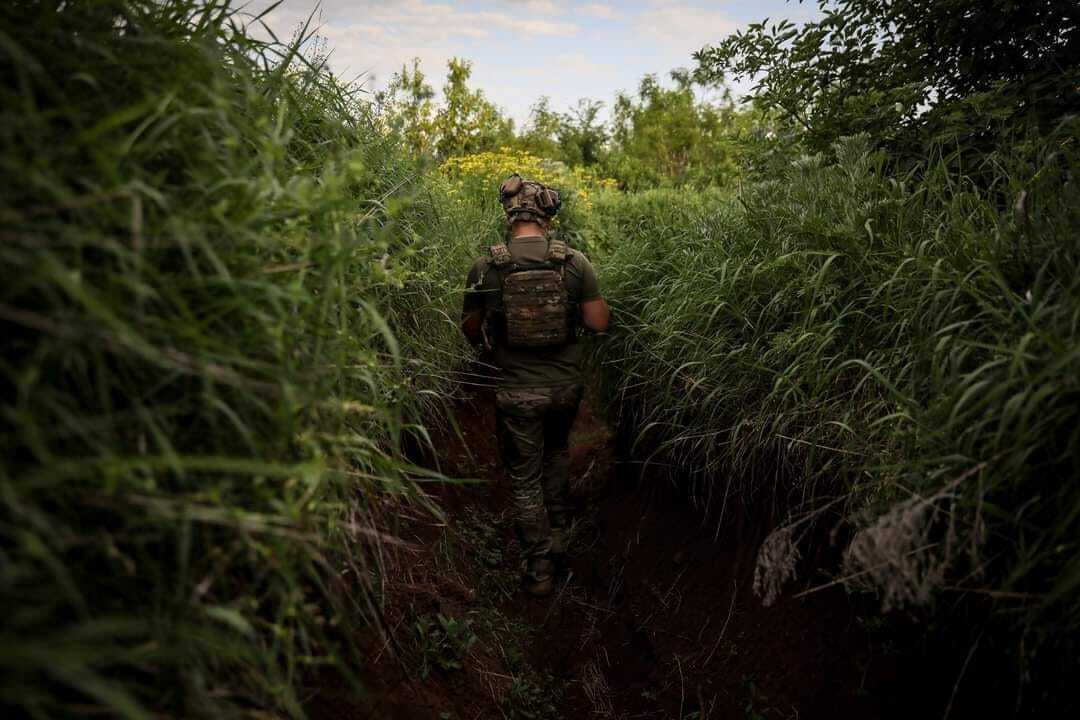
x=655 y=618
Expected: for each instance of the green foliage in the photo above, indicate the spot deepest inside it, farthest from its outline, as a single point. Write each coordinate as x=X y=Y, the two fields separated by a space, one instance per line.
x=911 y=72
x=408 y=104
x=660 y=137
x=443 y=642
x=534 y=697
x=837 y=342
x=468 y=122
x=483 y=539
x=464 y=122
x=540 y=135
x=230 y=294
x=475 y=180
x=668 y=137
x=577 y=138
x=224 y=305
x=757 y=703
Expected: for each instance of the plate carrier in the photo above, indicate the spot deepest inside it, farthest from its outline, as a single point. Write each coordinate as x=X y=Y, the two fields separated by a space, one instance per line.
x=535 y=302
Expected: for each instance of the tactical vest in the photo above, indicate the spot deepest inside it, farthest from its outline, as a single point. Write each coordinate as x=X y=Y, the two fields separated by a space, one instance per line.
x=536 y=307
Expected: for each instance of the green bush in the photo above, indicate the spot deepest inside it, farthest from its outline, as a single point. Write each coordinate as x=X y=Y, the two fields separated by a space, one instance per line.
x=226 y=299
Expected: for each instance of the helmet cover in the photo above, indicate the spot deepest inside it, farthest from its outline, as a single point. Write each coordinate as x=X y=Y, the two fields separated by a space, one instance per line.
x=526 y=199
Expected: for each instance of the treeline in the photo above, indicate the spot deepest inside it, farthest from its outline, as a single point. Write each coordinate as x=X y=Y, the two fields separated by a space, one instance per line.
x=662 y=135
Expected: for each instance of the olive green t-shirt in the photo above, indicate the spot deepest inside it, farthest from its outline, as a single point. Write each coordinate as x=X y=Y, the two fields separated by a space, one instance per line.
x=533 y=367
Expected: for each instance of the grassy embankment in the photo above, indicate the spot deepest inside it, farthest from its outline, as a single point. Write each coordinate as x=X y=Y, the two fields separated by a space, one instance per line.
x=897 y=355
x=227 y=297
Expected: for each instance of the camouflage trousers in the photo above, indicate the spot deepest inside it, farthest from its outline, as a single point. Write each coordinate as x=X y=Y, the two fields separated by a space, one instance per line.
x=533 y=426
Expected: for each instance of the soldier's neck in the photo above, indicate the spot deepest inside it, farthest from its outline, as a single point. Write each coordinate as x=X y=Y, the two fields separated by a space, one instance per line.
x=527 y=229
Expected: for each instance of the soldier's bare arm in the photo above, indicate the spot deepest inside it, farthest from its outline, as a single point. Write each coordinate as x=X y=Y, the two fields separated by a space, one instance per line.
x=595 y=314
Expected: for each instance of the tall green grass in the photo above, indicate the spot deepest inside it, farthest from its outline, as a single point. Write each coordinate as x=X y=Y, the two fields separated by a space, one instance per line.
x=900 y=355
x=227 y=296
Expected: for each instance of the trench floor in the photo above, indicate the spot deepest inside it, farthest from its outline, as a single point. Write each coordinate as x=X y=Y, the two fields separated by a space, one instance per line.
x=655 y=618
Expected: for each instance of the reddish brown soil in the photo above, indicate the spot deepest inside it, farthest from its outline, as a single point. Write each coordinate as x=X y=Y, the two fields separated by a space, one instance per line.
x=656 y=618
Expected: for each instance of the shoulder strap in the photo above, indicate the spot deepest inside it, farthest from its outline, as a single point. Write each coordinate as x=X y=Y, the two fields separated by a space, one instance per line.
x=500 y=255
x=557 y=253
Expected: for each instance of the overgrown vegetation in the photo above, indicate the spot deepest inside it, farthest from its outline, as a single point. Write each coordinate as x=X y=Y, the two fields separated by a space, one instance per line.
x=685 y=132
x=880 y=329
x=899 y=353
x=206 y=244
x=969 y=74
x=230 y=298
x=443 y=643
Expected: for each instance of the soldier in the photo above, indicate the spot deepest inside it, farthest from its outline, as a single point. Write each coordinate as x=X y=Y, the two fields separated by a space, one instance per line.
x=524 y=303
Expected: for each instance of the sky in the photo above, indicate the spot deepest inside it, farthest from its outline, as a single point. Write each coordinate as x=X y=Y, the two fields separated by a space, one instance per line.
x=522 y=49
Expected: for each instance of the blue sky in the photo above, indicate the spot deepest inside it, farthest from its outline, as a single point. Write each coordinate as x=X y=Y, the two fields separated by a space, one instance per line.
x=522 y=49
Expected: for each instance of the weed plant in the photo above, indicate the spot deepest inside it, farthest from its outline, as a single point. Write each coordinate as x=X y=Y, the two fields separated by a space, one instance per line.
x=226 y=299
x=903 y=353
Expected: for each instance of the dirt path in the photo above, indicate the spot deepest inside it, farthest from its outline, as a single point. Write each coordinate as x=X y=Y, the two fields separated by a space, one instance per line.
x=656 y=618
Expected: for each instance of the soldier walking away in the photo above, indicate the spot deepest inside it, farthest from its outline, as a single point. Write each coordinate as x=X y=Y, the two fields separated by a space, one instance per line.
x=524 y=303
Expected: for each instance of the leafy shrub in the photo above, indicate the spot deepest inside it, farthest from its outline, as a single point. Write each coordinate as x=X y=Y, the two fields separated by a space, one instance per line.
x=533 y=696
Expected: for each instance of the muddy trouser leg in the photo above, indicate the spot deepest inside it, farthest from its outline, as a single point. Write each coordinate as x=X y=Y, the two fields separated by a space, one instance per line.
x=520 y=425
x=557 y=423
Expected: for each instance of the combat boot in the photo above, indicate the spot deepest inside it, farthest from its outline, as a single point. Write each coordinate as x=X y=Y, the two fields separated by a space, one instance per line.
x=560 y=537
x=539 y=580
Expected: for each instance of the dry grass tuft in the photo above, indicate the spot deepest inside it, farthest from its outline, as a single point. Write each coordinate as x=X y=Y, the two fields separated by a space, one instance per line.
x=775 y=566
x=899 y=555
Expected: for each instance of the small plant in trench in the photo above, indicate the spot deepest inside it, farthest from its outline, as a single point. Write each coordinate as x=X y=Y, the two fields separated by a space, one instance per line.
x=755 y=707
x=483 y=539
x=506 y=634
x=443 y=642
x=534 y=696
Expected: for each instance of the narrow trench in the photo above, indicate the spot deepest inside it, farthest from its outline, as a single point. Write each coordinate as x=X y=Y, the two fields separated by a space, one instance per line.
x=656 y=617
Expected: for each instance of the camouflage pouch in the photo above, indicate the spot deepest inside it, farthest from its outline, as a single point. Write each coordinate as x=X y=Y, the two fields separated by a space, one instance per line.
x=535 y=301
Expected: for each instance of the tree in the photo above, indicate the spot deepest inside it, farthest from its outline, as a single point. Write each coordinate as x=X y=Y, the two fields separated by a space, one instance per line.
x=468 y=122
x=577 y=137
x=540 y=135
x=581 y=134
x=409 y=105
x=911 y=71
x=667 y=136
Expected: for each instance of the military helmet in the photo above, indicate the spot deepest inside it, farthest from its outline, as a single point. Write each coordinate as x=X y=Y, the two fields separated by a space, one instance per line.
x=528 y=200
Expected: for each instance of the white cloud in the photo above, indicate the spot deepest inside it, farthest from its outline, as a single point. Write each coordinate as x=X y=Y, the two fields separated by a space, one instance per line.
x=598 y=10
x=520 y=49
x=580 y=66
x=538 y=7
x=683 y=28
x=538 y=27
x=372 y=40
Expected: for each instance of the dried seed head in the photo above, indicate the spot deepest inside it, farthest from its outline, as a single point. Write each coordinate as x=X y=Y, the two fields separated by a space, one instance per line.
x=775 y=564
